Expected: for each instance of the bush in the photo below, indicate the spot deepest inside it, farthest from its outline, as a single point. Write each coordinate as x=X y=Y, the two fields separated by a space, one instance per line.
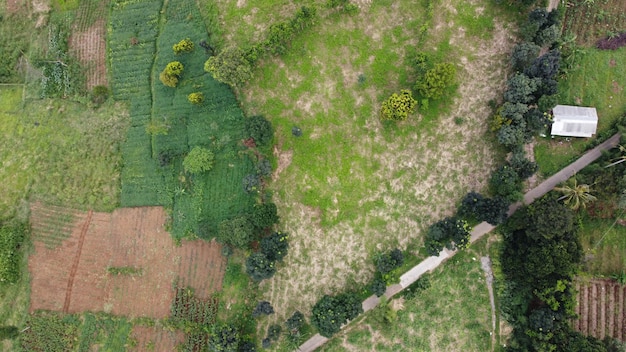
x=259 y=129
x=264 y=215
x=169 y=76
x=259 y=267
x=273 y=332
x=295 y=322
x=224 y=338
x=251 y=183
x=198 y=160
x=522 y=166
x=398 y=106
x=275 y=246
x=506 y=183
x=331 y=312
x=236 y=232
x=168 y=80
x=184 y=46
x=378 y=286
x=296 y=131
x=263 y=308
x=264 y=168
x=421 y=284
x=229 y=66
x=99 y=95
x=433 y=84
x=11 y=238
x=195 y=98
x=386 y=262
x=450 y=232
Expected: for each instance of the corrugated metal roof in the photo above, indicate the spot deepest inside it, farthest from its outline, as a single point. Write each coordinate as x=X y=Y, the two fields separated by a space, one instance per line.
x=574 y=121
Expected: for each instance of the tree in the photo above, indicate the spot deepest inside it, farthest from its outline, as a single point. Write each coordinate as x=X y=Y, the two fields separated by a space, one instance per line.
x=521 y=88
x=275 y=246
x=523 y=55
x=170 y=75
x=386 y=262
x=451 y=232
x=546 y=66
x=522 y=166
x=236 y=232
x=224 y=338
x=196 y=98
x=398 y=106
x=471 y=204
x=505 y=182
x=331 y=312
x=514 y=112
x=512 y=135
x=493 y=210
x=198 y=160
x=263 y=308
x=378 y=285
x=184 y=46
x=433 y=84
x=273 y=332
x=547 y=102
x=264 y=215
x=259 y=267
x=229 y=66
x=259 y=129
x=576 y=196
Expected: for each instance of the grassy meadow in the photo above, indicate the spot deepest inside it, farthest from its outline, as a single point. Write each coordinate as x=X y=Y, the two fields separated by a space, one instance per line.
x=351 y=185
x=454 y=314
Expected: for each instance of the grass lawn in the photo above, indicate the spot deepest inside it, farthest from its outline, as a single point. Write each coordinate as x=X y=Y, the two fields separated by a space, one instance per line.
x=351 y=185
x=604 y=246
x=454 y=314
x=59 y=152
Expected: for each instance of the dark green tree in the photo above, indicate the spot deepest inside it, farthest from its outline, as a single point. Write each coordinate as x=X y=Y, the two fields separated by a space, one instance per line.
x=259 y=267
x=275 y=246
x=520 y=89
x=523 y=55
x=505 y=183
x=260 y=129
x=263 y=308
x=8 y=332
x=236 y=232
x=295 y=322
x=331 y=312
x=264 y=215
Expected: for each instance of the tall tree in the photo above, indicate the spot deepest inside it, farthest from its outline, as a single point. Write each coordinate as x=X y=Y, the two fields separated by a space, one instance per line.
x=576 y=195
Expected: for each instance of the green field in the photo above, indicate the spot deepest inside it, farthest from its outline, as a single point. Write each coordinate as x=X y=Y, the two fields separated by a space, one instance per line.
x=199 y=202
x=351 y=185
x=454 y=314
x=59 y=152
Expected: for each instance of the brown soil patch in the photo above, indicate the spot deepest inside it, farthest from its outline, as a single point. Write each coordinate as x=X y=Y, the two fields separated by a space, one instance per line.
x=14 y=6
x=89 y=47
x=71 y=274
x=284 y=160
x=156 y=339
x=601 y=309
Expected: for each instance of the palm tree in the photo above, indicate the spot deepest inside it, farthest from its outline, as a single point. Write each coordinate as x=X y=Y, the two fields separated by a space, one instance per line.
x=576 y=196
x=621 y=159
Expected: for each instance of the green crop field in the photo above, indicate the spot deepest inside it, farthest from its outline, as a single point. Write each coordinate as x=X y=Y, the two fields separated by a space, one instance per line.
x=137 y=58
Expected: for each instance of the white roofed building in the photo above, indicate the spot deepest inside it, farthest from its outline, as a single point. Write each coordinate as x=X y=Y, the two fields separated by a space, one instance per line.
x=574 y=121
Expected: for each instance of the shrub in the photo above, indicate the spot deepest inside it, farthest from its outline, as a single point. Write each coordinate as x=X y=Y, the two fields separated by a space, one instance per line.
x=8 y=332
x=184 y=46
x=264 y=168
x=275 y=246
x=273 y=332
x=196 y=98
x=450 y=232
x=224 y=338
x=168 y=80
x=433 y=84
x=174 y=68
x=11 y=238
x=263 y=308
x=398 y=106
x=522 y=166
x=506 y=183
x=229 y=66
x=378 y=286
x=471 y=204
x=386 y=262
x=546 y=66
x=547 y=102
x=251 y=183
x=198 y=160
x=295 y=322
x=331 y=312
x=260 y=129
x=523 y=55
x=296 y=131
x=264 y=215
x=99 y=95
x=421 y=284
x=236 y=232
x=259 y=267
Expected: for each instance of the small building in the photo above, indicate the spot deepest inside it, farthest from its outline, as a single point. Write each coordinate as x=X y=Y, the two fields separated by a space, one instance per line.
x=574 y=121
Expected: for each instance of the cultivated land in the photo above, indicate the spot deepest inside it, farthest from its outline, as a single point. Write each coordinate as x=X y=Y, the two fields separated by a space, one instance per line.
x=601 y=308
x=77 y=273
x=350 y=185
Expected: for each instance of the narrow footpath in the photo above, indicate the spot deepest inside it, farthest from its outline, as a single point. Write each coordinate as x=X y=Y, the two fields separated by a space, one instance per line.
x=431 y=263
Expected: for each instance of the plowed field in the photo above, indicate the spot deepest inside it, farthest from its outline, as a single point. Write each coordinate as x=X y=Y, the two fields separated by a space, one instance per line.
x=601 y=309
x=69 y=267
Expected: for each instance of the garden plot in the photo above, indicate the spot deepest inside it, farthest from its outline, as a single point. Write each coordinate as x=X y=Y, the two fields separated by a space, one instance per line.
x=123 y=263
x=601 y=309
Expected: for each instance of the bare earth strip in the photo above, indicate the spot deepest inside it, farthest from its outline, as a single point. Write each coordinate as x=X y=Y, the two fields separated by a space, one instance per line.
x=127 y=238
x=89 y=46
x=155 y=339
x=601 y=309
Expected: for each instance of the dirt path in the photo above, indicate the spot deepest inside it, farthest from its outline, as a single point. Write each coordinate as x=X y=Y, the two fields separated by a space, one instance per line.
x=70 y=282
x=485 y=264
x=553 y=4
x=481 y=229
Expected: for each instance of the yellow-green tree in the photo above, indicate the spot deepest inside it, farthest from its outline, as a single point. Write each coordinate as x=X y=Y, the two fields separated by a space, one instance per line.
x=576 y=196
x=230 y=67
x=436 y=80
x=398 y=106
x=196 y=98
x=169 y=76
x=184 y=46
